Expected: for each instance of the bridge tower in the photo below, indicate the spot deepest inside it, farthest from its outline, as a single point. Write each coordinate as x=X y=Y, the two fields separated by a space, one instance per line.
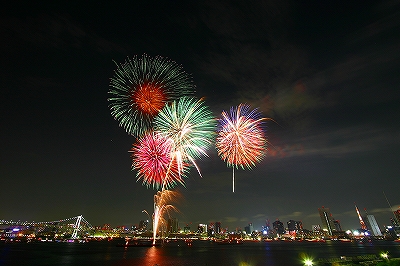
x=77 y=227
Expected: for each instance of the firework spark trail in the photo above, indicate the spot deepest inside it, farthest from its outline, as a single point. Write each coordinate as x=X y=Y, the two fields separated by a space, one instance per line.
x=162 y=204
x=241 y=141
x=191 y=125
x=141 y=87
x=184 y=130
x=153 y=157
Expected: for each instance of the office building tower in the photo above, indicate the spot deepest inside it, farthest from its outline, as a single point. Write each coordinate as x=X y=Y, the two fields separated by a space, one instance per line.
x=372 y=225
x=217 y=227
x=143 y=224
x=278 y=227
x=397 y=216
x=337 y=225
x=294 y=226
x=202 y=228
x=172 y=225
x=327 y=220
x=249 y=229
x=211 y=229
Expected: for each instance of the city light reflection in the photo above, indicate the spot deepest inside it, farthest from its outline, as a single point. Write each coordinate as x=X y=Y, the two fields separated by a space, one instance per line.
x=153 y=256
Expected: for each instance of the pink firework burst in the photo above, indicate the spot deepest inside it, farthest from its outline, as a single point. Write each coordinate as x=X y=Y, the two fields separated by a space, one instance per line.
x=155 y=161
x=241 y=140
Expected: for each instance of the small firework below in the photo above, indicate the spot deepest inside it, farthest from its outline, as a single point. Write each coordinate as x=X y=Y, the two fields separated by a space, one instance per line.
x=241 y=141
x=163 y=206
x=141 y=87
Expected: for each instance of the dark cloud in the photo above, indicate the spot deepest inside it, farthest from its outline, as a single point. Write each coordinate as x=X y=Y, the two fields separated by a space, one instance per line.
x=47 y=31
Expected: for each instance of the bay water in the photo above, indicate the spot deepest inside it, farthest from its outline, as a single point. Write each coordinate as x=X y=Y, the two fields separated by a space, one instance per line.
x=179 y=253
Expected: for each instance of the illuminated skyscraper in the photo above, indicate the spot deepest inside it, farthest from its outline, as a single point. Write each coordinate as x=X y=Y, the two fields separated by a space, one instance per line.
x=202 y=228
x=372 y=225
x=327 y=220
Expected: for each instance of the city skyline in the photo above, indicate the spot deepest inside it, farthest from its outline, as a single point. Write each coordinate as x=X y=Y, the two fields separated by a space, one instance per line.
x=326 y=73
x=329 y=226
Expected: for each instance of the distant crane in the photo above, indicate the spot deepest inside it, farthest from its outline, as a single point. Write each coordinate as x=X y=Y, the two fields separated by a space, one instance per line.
x=363 y=226
x=391 y=209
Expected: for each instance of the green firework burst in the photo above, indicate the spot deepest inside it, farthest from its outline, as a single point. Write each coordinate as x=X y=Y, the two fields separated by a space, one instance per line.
x=141 y=87
x=191 y=125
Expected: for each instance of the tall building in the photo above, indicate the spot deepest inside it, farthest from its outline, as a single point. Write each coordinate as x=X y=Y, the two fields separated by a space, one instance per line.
x=211 y=229
x=294 y=226
x=172 y=225
x=337 y=225
x=217 y=227
x=372 y=225
x=202 y=228
x=278 y=227
x=397 y=216
x=249 y=229
x=327 y=220
x=143 y=224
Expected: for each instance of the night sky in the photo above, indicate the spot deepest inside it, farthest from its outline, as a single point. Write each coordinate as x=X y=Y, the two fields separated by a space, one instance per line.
x=327 y=72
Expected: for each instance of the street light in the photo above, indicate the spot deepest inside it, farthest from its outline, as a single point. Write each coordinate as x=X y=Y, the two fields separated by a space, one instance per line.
x=308 y=262
x=385 y=255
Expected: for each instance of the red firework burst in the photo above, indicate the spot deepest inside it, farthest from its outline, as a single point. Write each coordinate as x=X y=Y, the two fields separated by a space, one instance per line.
x=155 y=161
x=149 y=99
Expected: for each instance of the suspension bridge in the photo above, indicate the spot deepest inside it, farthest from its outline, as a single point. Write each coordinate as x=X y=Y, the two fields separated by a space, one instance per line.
x=74 y=227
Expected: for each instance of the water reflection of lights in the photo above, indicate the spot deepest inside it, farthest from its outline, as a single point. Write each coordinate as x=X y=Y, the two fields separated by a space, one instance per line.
x=153 y=256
